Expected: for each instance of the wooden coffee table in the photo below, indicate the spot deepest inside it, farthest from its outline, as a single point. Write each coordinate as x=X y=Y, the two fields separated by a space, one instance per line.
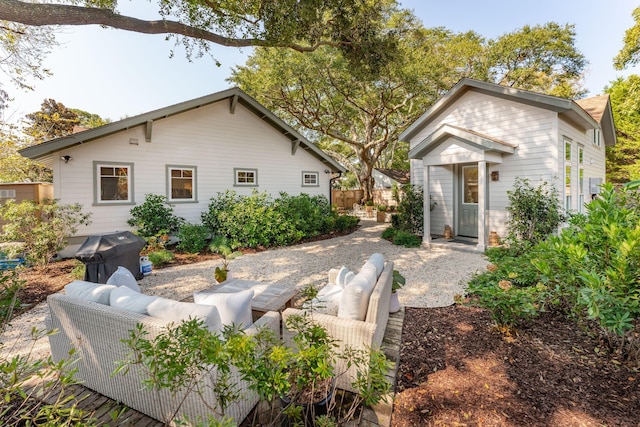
x=266 y=296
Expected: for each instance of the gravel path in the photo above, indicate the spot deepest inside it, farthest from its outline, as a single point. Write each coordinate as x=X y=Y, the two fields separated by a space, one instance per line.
x=434 y=276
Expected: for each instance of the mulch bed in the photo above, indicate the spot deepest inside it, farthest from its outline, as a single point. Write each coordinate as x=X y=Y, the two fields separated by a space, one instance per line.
x=456 y=369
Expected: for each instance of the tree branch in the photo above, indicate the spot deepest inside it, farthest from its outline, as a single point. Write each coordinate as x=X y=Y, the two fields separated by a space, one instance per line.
x=40 y=14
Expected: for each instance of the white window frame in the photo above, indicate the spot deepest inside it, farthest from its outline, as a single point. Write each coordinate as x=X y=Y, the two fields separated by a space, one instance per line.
x=97 y=179
x=239 y=181
x=596 y=137
x=580 y=178
x=8 y=194
x=568 y=179
x=310 y=179
x=194 y=183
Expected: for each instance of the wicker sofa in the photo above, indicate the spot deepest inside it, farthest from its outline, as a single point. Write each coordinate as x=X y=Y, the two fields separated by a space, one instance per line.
x=358 y=334
x=96 y=330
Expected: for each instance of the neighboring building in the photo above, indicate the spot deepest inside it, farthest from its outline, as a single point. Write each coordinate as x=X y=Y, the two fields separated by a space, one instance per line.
x=21 y=191
x=188 y=152
x=386 y=178
x=470 y=146
x=384 y=182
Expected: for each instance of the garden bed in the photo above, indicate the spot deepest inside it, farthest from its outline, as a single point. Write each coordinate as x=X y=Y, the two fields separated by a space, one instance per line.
x=456 y=369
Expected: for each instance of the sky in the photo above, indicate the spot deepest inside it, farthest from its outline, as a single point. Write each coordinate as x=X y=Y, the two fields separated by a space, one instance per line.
x=115 y=73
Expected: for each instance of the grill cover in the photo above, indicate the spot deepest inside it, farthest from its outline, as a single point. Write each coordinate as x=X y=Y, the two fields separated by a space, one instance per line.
x=102 y=254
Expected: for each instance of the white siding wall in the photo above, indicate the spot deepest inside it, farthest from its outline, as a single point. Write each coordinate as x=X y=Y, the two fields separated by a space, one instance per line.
x=533 y=130
x=593 y=161
x=209 y=138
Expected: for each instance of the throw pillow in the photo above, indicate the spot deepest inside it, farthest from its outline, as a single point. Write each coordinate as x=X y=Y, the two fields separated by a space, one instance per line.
x=177 y=311
x=233 y=307
x=123 y=277
x=344 y=276
x=355 y=296
x=377 y=260
x=89 y=291
x=327 y=301
x=128 y=299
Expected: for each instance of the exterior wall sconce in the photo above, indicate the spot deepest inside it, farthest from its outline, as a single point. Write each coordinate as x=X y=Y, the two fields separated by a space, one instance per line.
x=495 y=176
x=66 y=158
x=327 y=171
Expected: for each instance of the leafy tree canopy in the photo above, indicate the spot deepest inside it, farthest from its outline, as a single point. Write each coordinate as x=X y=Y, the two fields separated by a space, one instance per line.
x=357 y=116
x=630 y=52
x=14 y=167
x=303 y=25
x=623 y=159
x=53 y=120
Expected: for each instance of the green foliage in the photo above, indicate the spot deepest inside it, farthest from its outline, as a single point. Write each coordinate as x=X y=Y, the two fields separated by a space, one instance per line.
x=408 y=240
x=259 y=220
x=50 y=403
x=161 y=257
x=154 y=216
x=13 y=166
x=9 y=287
x=179 y=359
x=42 y=227
x=591 y=271
x=221 y=245
x=398 y=281
x=623 y=162
x=401 y=238
x=534 y=212
x=411 y=209
x=53 y=120
x=78 y=270
x=630 y=52
x=541 y=58
x=193 y=238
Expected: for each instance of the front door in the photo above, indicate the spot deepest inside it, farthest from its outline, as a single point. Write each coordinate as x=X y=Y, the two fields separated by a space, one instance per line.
x=468 y=202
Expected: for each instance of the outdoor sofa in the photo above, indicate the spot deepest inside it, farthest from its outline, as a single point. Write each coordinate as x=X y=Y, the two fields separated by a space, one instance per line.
x=96 y=329
x=362 y=304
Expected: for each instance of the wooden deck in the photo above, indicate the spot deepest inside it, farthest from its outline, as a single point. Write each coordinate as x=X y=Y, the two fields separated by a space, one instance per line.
x=105 y=409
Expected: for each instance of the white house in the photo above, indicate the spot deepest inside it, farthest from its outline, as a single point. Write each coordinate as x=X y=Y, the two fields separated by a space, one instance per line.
x=469 y=147
x=188 y=152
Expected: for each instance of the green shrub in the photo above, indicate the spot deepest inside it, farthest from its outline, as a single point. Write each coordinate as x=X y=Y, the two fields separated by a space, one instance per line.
x=534 y=212
x=9 y=287
x=161 y=257
x=411 y=209
x=154 y=216
x=78 y=270
x=193 y=238
x=42 y=227
x=259 y=220
x=406 y=239
x=389 y=233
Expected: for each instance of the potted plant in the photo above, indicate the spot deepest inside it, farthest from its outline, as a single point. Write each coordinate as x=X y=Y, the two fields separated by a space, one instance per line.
x=382 y=213
x=368 y=207
x=221 y=245
x=397 y=283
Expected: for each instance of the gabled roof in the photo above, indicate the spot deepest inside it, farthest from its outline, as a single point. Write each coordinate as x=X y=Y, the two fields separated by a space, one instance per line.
x=568 y=109
x=234 y=95
x=599 y=107
x=402 y=176
x=483 y=142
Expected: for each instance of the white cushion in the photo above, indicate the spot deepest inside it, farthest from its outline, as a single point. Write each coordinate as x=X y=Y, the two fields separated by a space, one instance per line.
x=377 y=260
x=355 y=296
x=177 y=311
x=89 y=291
x=233 y=307
x=128 y=299
x=343 y=277
x=327 y=301
x=123 y=277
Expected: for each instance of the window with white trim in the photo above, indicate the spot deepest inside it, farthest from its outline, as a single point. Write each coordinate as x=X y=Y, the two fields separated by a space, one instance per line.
x=580 y=178
x=113 y=182
x=181 y=182
x=596 y=137
x=567 y=175
x=246 y=177
x=310 y=179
